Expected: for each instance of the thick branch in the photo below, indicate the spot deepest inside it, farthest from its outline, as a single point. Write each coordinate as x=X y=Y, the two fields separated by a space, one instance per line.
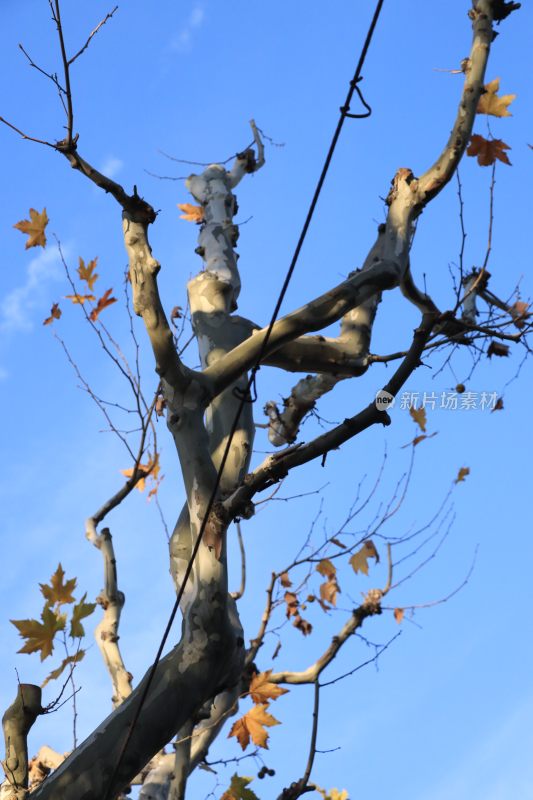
x=276 y=466
x=16 y=722
x=437 y=176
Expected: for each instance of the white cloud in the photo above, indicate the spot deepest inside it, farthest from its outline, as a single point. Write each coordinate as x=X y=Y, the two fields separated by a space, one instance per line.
x=111 y=166
x=182 y=42
x=16 y=308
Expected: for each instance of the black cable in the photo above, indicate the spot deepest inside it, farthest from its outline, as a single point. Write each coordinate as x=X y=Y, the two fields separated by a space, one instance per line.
x=245 y=397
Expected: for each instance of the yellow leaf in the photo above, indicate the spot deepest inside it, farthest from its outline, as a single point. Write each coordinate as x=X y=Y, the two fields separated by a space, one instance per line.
x=333 y=794
x=58 y=592
x=463 y=472
x=80 y=298
x=399 y=614
x=87 y=273
x=490 y=103
x=144 y=470
x=40 y=635
x=487 y=150
x=191 y=213
x=79 y=612
x=102 y=303
x=419 y=416
x=55 y=313
x=74 y=659
x=359 y=560
x=262 y=690
x=253 y=726
x=34 y=227
x=238 y=789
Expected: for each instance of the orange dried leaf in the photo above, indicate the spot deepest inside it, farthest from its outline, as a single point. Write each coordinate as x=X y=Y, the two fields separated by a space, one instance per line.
x=285 y=580
x=302 y=624
x=419 y=416
x=490 y=103
x=359 y=560
x=329 y=591
x=55 y=313
x=59 y=591
x=34 y=227
x=419 y=439
x=399 y=614
x=104 y=301
x=191 y=213
x=487 y=150
x=253 y=726
x=461 y=475
x=326 y=568
x=262 y=690
x=292 y=604
x=520 y=312
x=80 y=298
x=87 y=272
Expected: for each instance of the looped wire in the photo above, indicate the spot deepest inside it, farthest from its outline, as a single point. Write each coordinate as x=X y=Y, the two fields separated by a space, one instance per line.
x=345 y=110
x=248 y=395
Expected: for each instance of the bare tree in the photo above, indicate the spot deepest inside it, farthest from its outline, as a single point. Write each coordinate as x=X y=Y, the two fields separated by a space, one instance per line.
x=188 y=695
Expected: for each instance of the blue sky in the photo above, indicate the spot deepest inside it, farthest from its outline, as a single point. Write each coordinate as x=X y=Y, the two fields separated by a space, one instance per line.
x=448 y=712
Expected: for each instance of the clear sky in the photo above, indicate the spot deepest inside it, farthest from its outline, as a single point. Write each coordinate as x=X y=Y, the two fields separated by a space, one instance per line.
x=448 y=712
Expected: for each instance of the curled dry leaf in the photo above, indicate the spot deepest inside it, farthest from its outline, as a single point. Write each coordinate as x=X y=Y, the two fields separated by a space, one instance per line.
x=419 y=439
x=55 y=313
x=498 y=349
x=399 y=615
x=520 y=312
x=285 y=580
x=461 y=475
x=56 y=673
x=419 y=416
x=104 y=301
x=80 y=298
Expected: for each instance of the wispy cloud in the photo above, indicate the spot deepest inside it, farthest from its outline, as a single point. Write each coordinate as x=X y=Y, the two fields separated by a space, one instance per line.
x=182 y=42
x=111 y=166
x=17 y=307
